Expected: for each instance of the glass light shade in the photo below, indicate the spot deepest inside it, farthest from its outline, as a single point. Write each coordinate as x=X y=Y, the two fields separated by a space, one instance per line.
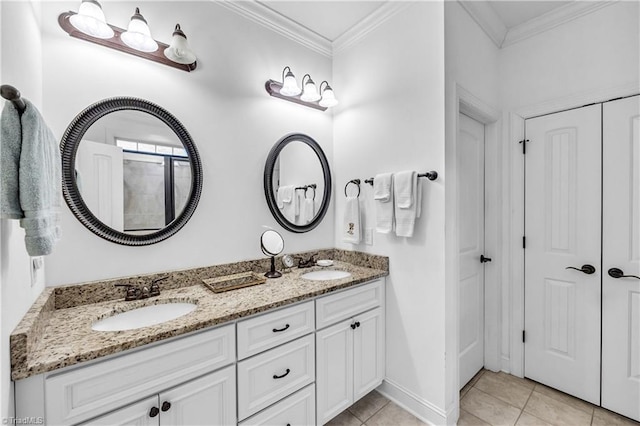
x=328 y=97
x=310 y=93
x=138 y=35
x=290 y=86
x=179 y=50
x=91 y=21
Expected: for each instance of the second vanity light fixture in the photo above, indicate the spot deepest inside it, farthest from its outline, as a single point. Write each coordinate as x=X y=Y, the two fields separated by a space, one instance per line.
x=90 y=24
x=289 y=90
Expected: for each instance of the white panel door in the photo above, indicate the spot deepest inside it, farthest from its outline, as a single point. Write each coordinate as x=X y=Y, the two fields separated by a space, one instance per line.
x=470 y=168
x=621 y=250
x=137 y=414
x=99 y=172
x=334 y=370
x=208 y=400
x=368 y=352
x=562 y=227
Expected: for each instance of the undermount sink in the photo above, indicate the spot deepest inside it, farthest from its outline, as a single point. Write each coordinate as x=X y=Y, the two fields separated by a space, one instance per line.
x=143 y=317
x=325 y=275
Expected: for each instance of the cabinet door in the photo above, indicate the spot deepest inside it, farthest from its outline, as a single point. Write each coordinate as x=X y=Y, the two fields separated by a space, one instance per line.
x=334 y=370
x=137 y=414
x=368 y=352
x=208 y=400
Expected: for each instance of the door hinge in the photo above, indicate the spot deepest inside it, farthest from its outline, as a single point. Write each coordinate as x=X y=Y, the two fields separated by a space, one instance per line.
x=524 y=145
x=523 y=336
x=524 y=242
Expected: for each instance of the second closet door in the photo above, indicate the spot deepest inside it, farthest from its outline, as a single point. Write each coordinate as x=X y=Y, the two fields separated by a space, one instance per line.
x=621 y=251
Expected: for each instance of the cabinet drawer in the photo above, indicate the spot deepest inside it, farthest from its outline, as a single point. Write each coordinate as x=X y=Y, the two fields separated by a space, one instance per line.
x=298 y=409
x=337 y=307
x=272 y=375
x=85 y=392
x=266 y=331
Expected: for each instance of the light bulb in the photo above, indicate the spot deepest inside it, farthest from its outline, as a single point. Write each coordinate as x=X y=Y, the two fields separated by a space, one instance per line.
x=91 y=21
x=289 y=85
x=310 y=93
x=138 y=35
x=328 y=97
x=179 y=50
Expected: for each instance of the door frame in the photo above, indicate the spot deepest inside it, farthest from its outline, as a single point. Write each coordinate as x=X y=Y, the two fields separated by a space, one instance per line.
x=467 y=103
x=513 y=225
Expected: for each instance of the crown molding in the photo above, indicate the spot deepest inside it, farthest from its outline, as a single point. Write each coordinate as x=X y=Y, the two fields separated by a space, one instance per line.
x=487 y=19
x=368 y=24
x=552 y=19
x=284 y=26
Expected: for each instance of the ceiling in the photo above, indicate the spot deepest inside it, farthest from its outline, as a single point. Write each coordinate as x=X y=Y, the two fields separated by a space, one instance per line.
x=332 y=18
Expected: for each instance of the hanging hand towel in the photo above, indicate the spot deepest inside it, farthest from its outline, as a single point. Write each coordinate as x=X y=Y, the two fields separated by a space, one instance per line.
x=30 y=177
x=407 y=202
x=383 y=199
x=287 y=202
x=308 y=210
x=351 y=223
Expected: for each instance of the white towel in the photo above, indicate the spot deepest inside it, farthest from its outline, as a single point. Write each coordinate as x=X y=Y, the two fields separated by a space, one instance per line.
x=408 y=200
x=308 y=210
x=383 y=199
x=287 y=202
x=30 y=177
x=351 y=224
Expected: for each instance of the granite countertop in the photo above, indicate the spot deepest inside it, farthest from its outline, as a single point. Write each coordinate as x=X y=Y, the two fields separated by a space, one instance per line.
x=57 y=333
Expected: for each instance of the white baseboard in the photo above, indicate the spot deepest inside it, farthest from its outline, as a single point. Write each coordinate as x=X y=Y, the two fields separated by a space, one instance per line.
x=419 y=407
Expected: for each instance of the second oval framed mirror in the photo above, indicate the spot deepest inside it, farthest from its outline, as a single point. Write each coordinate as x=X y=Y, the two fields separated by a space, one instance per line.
x=297 y=182
x=130 y=171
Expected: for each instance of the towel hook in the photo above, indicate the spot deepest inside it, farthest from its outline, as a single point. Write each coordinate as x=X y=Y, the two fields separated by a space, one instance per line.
x=12 y=94
x=355 y=182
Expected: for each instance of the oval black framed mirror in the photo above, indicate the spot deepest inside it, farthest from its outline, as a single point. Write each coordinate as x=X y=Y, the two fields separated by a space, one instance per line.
x=297 y=182
x=131 y=173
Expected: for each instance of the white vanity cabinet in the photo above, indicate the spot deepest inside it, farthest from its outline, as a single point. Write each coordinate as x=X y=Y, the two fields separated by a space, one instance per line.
x=208 y=400
x=349 y=349
x=107 y=386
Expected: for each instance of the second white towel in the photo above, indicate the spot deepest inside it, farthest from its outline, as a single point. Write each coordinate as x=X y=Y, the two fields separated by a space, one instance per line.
x=408 y=202
x=351 y=223
x=383 y=199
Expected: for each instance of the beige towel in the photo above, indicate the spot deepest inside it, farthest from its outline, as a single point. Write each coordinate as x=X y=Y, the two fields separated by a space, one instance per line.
x=408 y=200
x=351 y=223
x=383 y=199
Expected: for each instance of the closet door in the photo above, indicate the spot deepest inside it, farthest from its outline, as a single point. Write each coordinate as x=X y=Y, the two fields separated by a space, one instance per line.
x=621 y=250
x=563 y=230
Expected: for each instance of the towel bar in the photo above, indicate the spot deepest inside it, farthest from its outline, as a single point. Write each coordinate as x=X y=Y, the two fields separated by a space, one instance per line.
x=432 y=175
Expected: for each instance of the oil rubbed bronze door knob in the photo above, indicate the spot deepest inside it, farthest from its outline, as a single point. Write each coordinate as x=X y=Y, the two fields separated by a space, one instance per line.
x=587 y=269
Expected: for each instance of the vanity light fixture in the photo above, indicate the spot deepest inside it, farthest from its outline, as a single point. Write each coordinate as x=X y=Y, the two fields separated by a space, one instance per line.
x=138 y=34
x=289 y=90
x=89 y=24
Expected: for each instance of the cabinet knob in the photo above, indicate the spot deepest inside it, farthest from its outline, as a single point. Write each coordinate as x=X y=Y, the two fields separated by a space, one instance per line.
x=357 y=323
x=154 y=412
x=166 y=406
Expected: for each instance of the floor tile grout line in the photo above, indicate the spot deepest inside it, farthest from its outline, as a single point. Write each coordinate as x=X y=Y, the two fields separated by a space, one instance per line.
x=525 y=405
x=377 y=411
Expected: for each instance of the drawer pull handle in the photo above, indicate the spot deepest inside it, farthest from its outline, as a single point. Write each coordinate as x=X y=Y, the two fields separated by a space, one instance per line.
x=166 y=406
x=154 y=412
x=275 y=376
x=276 y=330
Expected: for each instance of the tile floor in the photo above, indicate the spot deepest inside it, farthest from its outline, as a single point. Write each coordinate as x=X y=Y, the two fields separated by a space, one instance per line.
x=491 y=399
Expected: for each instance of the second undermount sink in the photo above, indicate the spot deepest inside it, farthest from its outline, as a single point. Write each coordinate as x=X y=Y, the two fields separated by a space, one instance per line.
x=325 y=275
x=143 y=317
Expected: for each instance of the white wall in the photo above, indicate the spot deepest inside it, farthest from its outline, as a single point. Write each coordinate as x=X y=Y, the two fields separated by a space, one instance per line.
x=391 y=118
x=597 y=51
x=223 y=104
x=21 y=66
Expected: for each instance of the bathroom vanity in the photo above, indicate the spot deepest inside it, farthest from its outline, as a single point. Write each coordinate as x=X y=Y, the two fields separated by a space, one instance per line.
x=290 y=351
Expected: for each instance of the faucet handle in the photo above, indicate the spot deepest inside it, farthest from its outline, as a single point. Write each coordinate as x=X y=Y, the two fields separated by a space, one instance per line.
x=132 y=292
x=154 y=290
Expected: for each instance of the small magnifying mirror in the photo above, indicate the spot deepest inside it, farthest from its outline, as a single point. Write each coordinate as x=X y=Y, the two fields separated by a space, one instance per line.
x=272 y=245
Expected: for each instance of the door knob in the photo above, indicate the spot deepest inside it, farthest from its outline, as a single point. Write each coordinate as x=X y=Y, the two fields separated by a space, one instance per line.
x=587 y=269
x=618 y=273
x=484 y=259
